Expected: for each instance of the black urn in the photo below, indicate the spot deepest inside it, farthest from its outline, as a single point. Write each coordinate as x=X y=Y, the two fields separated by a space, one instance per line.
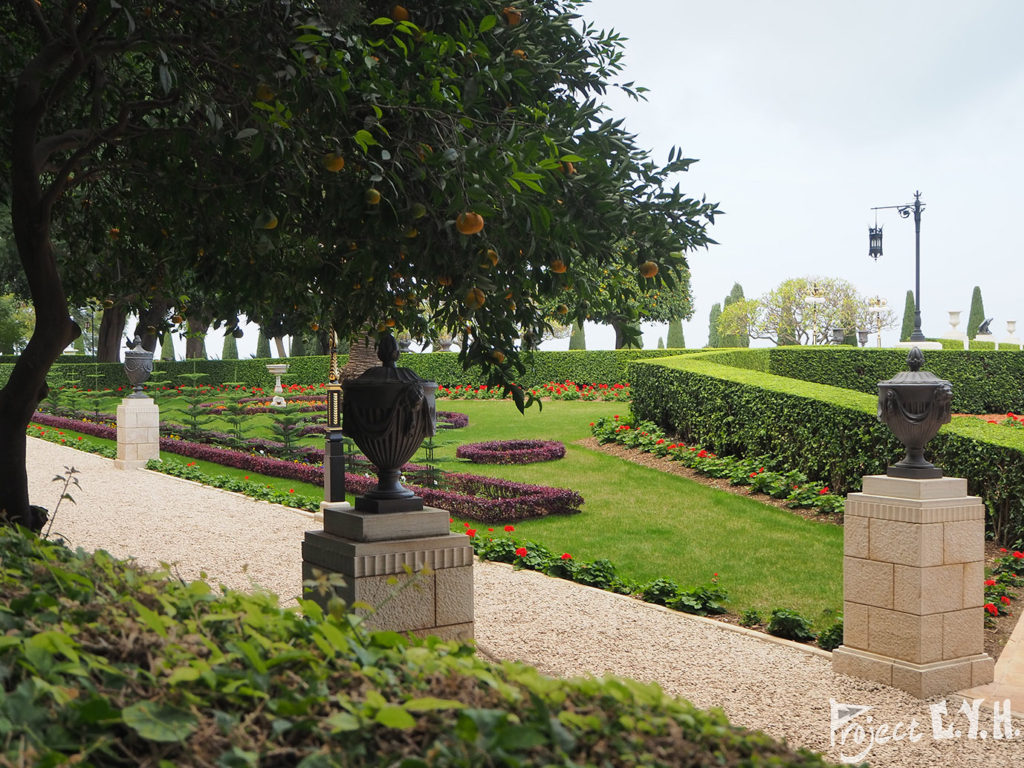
x=388 y=411
x=138 y=365
x=914 y=404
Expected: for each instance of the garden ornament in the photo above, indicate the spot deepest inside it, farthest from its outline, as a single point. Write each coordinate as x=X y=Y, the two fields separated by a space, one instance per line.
x=914 y=404
x=983 y=329
x=138 y=365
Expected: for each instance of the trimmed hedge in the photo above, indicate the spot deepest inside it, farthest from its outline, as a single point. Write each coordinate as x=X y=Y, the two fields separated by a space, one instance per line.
x=603 y=366
x=107 y=664
x=824 y=431
x=983 y=381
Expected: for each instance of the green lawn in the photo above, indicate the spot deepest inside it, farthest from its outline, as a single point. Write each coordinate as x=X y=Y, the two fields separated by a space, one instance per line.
x=649 y=523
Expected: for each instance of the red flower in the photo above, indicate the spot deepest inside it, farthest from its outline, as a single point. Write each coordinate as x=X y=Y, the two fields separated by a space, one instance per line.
x=660 y=441
x=451 y=519
x=616 y=417
x=1005 y=599
x=991 y=609
x=490 y=530
x=509 y=528
x=246 y=477
x=992 y=421
x=591 y=423
x=1019 y=555
x=466 y=525
x=291 y=490
x=990 y=582
x=823 y=491
x=471 y=532
x=702 y=453
x=566 y=556
x=1004 y=550
x=521 y=552
x=753 y=474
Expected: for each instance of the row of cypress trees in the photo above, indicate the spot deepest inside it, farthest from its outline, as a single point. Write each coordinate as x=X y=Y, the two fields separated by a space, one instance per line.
x=975 y=318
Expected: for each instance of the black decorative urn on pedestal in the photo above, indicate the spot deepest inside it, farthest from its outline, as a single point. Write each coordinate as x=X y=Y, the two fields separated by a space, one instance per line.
x=914 y=404
x=387 y=412
x=138 y=365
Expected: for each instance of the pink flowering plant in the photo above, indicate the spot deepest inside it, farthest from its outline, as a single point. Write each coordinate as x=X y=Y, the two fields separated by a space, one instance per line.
x=755 y=472
x=511 y=451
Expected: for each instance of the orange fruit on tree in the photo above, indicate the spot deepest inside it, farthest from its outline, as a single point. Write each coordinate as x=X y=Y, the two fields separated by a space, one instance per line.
x=648 y=269
x=512 y=16
x=372 y=196
x=314 y=326
x=444 y=280
x=492 y=256
x=562 y=309
x=399 y=301
x=498 y=356
x=334 y=162
x=469 y=223
x=474 y=298
x=176 y=319
x=519 y=53
x=558 y=266
x=399 y=13
x=568 y=169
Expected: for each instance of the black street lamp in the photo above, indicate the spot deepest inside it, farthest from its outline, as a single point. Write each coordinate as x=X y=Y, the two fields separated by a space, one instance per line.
x=875 y=250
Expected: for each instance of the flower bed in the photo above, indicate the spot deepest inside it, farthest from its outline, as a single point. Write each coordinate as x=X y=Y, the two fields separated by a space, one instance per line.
x=511 y=451
x=555 y=390
x=485 y=499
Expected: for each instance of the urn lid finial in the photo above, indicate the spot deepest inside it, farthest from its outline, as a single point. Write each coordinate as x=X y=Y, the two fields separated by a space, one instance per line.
x=915 y=359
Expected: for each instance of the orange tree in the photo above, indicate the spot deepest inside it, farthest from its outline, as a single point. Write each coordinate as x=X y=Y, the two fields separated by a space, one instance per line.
x=324 y=160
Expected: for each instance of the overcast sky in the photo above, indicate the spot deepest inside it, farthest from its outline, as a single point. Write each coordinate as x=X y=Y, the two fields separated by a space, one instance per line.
x=806 y=114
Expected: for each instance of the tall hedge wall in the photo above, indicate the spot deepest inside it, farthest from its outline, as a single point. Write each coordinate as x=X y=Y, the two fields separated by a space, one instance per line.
x=829 y=433
x=984 y=381
x=581 y=366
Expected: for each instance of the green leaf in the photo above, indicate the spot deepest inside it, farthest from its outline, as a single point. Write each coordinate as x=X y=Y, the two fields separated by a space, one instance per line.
x=343 y=721
x=428 y=703
x=388 y=640
x=381 y=22
x=158 y=722
x=488 y=22
x=392 y=716
x=245 y=133
x=183 y=675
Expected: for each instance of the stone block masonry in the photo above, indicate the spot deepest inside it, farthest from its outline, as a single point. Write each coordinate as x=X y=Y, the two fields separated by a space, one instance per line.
x=913 y=569
x=138 y=432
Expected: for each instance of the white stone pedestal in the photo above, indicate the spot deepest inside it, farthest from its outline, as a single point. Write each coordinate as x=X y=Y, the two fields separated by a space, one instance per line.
x=372 y=550
x=138 y=432
x=985 y=337
x=913 y=573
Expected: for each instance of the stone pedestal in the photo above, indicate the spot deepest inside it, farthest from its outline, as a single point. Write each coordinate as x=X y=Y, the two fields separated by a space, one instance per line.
x=988 y=337
x=913 y=573
x=372 y=552
x=138 y=432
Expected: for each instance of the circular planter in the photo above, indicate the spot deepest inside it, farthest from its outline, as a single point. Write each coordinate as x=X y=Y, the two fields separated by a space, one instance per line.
x=511 y=451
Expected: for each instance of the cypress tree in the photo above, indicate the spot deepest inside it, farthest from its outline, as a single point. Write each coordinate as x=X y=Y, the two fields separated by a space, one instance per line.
x=230 y=350
x=298 y=347
x=716 y=312
x=977 y=316
x=167 y=349
x=578 y=339
x=262 y=346
x=675 y=340
x=661 y=343
x=908 y=317
x=734 y=340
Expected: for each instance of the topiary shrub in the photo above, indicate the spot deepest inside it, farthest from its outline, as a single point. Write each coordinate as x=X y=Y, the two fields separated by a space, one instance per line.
x=511 y=451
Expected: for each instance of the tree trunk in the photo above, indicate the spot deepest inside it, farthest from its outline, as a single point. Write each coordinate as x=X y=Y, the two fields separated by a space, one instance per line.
x=150 y=319
x=362 y=356
x=279 y=343
x=108 y=345
x=195 y=342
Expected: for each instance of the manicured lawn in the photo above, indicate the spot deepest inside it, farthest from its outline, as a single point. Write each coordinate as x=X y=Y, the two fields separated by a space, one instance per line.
x=650 y=524
x=653 y=524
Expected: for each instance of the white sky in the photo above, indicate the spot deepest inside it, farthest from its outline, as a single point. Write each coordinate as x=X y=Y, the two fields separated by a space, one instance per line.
x=805 y=114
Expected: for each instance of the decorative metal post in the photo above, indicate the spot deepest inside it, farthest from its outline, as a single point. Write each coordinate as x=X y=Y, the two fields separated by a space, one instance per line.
x=334 y=445
x=875 y=250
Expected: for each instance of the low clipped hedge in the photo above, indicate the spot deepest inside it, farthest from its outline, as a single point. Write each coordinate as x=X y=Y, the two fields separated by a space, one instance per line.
x=511 y=451
x=140 y=668
x=604 y=366
x=826 y=432
x=983 y=381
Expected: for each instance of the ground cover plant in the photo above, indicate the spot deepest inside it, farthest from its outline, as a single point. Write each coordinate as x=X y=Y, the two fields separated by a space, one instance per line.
x=105 y=664
x=511 y=451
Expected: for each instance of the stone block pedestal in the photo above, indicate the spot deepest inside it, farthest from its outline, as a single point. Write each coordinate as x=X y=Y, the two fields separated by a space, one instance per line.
x=372 y=551
x=138 y=432
x=913 y=573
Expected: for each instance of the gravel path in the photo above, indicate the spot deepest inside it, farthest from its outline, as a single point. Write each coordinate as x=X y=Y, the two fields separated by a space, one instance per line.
x=562 y=628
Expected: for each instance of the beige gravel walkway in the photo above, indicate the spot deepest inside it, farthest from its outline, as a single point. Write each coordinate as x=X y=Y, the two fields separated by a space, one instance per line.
x=560 y=627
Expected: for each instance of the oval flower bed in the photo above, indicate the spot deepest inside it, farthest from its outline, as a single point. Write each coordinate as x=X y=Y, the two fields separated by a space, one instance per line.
x=511 y=451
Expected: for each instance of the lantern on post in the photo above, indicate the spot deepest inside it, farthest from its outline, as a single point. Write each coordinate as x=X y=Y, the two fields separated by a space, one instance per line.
x=874 y=242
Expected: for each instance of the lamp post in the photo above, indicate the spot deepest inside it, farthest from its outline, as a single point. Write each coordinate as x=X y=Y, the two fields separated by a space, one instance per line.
x=814 y=299
x=876 y=305
x=875 y=250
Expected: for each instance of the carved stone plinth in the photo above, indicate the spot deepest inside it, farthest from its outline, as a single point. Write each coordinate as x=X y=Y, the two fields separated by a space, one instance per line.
x=138 y=432
x=913 y=573
x=372 y=550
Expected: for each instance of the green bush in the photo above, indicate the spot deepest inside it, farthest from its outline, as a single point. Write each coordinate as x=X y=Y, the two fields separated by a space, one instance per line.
x=825 y=432
x=790 y=625
x=105 y=664
x=979 y=345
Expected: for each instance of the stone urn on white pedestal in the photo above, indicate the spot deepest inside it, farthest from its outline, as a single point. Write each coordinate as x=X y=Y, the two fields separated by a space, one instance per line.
x=278 y=370
x=1010 y=339
x=954 y=332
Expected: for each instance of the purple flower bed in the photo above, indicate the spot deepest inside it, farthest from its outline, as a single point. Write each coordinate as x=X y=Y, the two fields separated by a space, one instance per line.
x=485 y=499
x=511 y=451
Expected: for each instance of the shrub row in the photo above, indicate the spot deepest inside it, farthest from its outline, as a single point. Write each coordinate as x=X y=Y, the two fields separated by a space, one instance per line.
x=826 y=432
x=241 y=681
x=605 y=366
x=511 y=451
x=983 y=381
